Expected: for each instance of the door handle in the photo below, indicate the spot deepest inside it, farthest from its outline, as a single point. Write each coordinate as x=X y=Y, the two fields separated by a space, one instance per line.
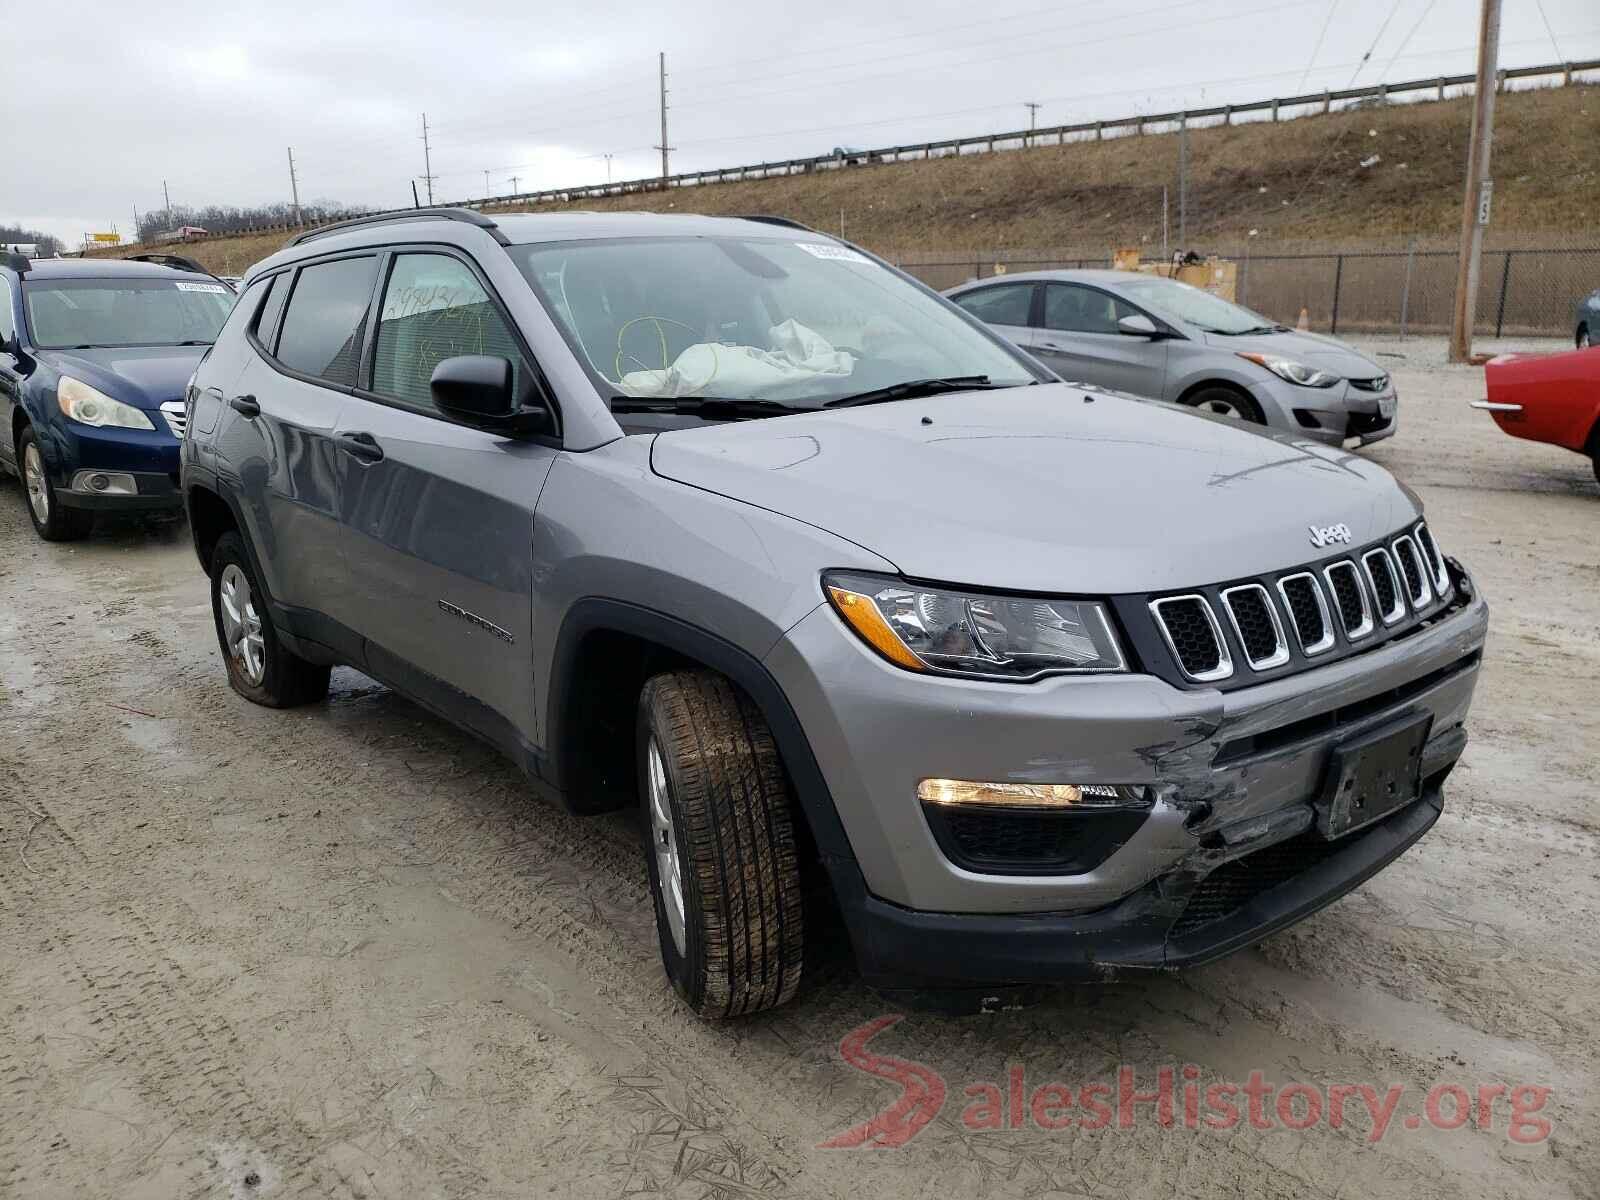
x=245 y=406
x=361 y=445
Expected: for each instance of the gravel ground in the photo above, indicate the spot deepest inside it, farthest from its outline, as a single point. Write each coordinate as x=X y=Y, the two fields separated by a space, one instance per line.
x=341 y=952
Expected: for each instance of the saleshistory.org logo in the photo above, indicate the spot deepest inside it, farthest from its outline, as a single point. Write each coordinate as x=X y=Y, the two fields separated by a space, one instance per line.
x=1174 y=1097
x=1327 y=535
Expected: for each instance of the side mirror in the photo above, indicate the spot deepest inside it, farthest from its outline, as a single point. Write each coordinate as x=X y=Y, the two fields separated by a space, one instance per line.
x=1138 y=325
x=477 y=389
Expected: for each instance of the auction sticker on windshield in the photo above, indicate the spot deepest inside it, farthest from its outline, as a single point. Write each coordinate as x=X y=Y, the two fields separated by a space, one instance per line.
x=841 y=253
x=214 y=288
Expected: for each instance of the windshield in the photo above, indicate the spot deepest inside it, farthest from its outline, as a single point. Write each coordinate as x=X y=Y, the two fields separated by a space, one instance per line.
x=1179 y=302
x=71 y=313
x=798 y=322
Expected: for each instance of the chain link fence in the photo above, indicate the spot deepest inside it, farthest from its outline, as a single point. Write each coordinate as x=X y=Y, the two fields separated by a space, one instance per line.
x=1526 y=290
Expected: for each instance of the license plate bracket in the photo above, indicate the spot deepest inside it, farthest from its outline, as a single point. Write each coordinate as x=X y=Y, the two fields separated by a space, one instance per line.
x=1373 y=775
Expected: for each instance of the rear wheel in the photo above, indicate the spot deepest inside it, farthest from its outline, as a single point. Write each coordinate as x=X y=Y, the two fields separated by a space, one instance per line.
x=1225 y=402
x=260 y=668
x=52 y=520
x=720 y=845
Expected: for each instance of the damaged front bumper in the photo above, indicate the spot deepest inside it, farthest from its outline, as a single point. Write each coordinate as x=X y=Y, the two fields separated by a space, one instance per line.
x=1227 y=853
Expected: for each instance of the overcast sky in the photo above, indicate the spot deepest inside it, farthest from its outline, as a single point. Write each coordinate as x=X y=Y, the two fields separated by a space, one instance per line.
x=209 y=96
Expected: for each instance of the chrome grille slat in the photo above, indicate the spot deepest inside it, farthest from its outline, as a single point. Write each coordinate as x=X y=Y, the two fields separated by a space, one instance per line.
x=1347 y=570
x=177 y=416
x=1313 y=641
x=1380 y=570
x=1245 y=627
x=1413 y=572
x=1187 y=642
x=1434 y=559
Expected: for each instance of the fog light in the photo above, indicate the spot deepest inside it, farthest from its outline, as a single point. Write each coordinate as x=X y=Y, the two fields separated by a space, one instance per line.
x=98 y=483
x=960 y=792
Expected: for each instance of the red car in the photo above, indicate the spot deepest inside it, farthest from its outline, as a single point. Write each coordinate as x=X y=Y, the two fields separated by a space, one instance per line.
x=1551 y=398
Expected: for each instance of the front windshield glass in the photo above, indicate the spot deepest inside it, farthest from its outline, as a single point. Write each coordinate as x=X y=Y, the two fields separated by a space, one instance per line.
x=1181 y=303
x=72 y=313
x=800 y=322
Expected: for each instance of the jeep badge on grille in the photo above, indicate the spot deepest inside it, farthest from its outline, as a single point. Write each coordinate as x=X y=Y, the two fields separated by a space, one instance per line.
x=1326 y=535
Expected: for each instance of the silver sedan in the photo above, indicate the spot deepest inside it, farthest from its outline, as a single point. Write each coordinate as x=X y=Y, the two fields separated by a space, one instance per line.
x=1162 y=339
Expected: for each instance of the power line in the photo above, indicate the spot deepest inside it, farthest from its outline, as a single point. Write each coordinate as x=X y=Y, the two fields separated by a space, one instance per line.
x=1554 y=45
x=1317 y=49
x=1382 y=29
x=1406 y=41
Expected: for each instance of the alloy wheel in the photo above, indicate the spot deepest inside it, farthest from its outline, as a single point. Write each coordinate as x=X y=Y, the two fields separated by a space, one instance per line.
x=1222 y=408
x=33 y=478
x=241 y=625
x=664 y=841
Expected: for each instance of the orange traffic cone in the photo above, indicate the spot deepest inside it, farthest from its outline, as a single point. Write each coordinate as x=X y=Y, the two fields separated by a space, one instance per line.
x=1304 y=324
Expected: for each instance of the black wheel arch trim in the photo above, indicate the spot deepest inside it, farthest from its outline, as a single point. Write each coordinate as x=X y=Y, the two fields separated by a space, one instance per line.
x=598 y=614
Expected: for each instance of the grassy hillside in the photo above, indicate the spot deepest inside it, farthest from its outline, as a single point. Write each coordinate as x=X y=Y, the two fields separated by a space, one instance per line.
x=1299 y=180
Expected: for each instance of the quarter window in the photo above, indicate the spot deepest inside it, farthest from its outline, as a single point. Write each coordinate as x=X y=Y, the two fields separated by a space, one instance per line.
x=326 y=319
x=8 y=320
x=1003 y=304
x=434 y=308
x=1070 y=308
x=266 y=319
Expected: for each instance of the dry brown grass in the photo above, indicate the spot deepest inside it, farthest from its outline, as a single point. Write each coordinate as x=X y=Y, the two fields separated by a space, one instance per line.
x=1298 y=180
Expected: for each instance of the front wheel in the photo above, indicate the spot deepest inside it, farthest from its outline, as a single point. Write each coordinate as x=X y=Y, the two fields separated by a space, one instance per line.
x=720 y=846
x=52 y=520
x=1225 y=402
x=260 y=667
x=1582 y=340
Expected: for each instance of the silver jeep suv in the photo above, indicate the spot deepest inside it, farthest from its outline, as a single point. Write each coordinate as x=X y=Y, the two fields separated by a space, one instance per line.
x=733 y=522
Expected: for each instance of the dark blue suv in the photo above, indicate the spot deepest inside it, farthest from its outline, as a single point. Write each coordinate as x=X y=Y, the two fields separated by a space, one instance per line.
x=94 y=358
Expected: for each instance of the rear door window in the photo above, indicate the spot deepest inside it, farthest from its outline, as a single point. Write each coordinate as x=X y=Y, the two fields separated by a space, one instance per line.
x=325 y=322
x=1003 y=304
x=434 y=308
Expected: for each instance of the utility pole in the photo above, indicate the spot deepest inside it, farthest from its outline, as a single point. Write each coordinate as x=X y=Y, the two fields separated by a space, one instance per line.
x=136 y=234
x=294 y=188
x=514 y=179
x=427 y=160
x=1033 y=117
x=664 y=147
x=1478 y=193
x=1183 y=182
x=167 y=196
x=608 y=168
x=1166 y=254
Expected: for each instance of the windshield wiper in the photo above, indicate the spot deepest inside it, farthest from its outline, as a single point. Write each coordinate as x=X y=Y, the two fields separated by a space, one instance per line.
x=1254 y=329
x=701 y=406
x=912 y=388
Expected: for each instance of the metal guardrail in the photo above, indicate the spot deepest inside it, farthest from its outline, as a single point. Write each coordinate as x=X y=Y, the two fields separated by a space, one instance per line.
x=1025 y=137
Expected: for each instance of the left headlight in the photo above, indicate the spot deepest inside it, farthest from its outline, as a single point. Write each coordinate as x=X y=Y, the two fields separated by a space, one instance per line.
x=947 y=632
x=81 y=403
x=1294 y=372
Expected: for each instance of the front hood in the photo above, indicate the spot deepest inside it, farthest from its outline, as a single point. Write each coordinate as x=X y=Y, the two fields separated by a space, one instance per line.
x=143 y=376
x=1042 y=489
x=1328 y=353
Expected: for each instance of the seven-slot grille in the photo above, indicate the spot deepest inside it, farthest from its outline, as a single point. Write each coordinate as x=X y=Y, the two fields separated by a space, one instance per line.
x=1194 y=637
x=177 y=416
x=1343 y=600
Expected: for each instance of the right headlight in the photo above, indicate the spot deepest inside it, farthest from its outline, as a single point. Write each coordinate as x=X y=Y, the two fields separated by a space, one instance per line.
x=948 y=632
x=1294 y=372
x=88 y=406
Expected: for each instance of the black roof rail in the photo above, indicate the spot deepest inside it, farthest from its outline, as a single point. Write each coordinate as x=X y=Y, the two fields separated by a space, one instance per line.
x=179 y=263
x=176 y=261
x=466 y=216
x=766 y=219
